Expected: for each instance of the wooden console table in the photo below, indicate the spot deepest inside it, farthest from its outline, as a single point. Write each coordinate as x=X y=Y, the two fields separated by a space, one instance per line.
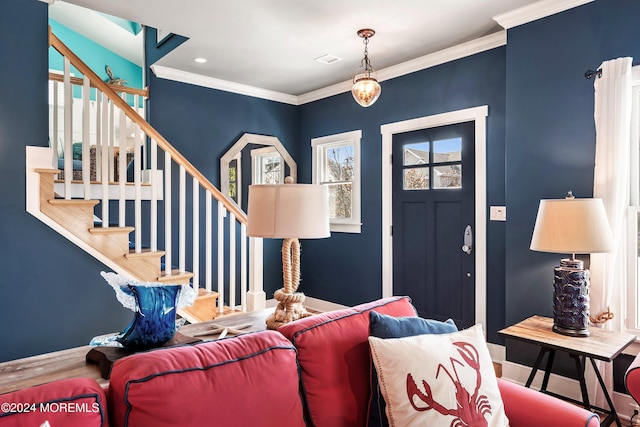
x=600 y=345
x=29 y=371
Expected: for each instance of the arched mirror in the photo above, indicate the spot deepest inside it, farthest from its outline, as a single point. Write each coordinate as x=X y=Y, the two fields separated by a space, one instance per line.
x=254 y=159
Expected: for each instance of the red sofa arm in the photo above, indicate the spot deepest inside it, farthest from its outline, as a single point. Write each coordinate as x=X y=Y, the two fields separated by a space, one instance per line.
x=530 y=408
x=632 y=379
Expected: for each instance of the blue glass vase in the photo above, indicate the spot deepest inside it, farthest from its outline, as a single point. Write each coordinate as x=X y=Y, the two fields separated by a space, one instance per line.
x=154 y=322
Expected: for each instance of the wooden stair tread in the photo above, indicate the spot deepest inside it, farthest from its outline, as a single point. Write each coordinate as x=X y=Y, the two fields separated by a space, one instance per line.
x=111 y=230
x=73 y=202
x=46 y=170
x=146 y=253
x=203 y=294
x=175 y=276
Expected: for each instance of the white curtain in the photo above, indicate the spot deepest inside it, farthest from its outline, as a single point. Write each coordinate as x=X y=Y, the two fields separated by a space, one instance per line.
x=612 y=113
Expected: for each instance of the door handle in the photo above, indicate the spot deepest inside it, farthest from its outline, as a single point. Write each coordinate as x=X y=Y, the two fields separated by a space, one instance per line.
x=468 y=240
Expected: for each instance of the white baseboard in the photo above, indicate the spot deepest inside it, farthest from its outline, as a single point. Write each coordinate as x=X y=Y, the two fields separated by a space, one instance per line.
x=564 y=386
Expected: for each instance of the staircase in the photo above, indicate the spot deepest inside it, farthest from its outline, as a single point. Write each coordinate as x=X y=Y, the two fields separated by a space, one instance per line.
x=68 y=198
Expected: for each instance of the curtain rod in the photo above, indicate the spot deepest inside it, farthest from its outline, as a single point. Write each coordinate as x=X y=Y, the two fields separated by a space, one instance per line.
x=590 y=73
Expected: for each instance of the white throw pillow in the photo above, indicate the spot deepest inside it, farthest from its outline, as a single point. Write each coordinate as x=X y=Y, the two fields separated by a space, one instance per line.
x=439 y=380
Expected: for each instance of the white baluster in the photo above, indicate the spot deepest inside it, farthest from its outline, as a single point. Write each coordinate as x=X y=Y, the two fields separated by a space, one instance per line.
x=137 y=183
x=99 y=128
x=196 y=233
x=243 y=267
x=154 y=198
x=182 y=219
x=208 y=242
x=68 y=129
x=86 y=139
x=112 y=142
x=122 y=167
x=232 y=261
x=104 y=168
x=167 y=212
x=221 y=214
x=56 y=133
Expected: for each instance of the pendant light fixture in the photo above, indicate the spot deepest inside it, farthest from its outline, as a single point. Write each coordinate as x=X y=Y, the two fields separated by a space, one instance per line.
x=366 y=88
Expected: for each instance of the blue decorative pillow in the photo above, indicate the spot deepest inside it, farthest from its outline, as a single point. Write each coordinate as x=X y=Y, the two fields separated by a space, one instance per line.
x=383 y=326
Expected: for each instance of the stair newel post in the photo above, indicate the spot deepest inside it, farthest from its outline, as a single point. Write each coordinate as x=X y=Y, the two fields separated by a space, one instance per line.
x=167 y=213
x=208 y=241
x=222 y=212
x=104 y=168
x=196 y=233
x=86 y=139
x=68 y=129
x=153 y=226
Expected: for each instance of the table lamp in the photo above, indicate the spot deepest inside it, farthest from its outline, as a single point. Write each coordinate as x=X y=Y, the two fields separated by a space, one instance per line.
x=571 y=226
x=290 y=212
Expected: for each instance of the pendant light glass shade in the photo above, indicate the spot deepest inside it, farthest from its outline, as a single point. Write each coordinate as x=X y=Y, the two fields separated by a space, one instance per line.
x=366 y=89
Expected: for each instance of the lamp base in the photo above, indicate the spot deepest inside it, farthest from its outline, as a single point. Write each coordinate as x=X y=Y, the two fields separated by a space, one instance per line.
x=289 y=308
x=571 y=299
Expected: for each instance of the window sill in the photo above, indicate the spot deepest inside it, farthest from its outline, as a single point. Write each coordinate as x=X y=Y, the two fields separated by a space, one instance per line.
x=345 y=228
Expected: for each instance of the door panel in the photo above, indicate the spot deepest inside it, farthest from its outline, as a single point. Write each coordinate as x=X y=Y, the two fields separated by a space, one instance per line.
x=433 y=202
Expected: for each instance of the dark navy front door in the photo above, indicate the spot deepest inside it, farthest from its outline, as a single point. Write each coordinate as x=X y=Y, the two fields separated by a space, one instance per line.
x=433 y=205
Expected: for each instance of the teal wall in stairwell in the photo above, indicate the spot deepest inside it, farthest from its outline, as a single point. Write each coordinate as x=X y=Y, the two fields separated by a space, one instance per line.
x=51 y=294
x=95 y=56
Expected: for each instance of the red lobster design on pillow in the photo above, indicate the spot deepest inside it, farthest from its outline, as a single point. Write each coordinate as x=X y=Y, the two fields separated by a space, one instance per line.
x=470 y=408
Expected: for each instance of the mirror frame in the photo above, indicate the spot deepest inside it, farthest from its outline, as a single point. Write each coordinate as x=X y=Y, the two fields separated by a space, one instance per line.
x=251 y=138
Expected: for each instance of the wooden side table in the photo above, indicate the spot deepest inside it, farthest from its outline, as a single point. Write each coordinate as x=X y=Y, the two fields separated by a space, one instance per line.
x=600 y=345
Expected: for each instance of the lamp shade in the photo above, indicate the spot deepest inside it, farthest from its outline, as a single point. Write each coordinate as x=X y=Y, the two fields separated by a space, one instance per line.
x=288 y=211
x=572 y=226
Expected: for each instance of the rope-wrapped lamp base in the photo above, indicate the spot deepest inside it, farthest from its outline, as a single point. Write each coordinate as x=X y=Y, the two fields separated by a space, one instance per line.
x=289 y=306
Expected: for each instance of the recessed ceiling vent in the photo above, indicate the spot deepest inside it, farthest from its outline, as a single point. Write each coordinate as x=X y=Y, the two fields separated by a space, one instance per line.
x=328 y=59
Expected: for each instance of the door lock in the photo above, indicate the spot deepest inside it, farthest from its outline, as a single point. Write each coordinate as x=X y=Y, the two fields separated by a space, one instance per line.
x=468 y=240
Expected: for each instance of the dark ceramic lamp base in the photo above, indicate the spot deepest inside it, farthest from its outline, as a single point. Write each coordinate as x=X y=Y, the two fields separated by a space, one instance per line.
x=571 y=299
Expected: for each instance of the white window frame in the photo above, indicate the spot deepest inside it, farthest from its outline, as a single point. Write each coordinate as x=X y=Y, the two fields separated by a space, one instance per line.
x=256 y=164
x=318 y=160
x=632 y=323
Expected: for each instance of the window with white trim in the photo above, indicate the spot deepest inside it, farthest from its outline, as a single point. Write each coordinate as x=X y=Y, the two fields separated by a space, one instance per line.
x=267 y=166
x=336 y=164
x=633 y=226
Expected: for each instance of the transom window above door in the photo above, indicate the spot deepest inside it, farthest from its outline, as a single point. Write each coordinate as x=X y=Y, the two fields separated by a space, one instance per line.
x=432 y=164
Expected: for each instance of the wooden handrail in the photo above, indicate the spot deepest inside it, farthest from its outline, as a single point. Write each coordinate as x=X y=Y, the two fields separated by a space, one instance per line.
x=149 y=130
x=116 y=88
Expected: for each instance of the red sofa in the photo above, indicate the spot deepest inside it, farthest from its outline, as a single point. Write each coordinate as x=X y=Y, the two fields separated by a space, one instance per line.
x=315 y=372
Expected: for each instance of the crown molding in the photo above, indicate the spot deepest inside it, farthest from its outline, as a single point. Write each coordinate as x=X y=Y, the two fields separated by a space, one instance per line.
x=536 y=11
x=437 y=58
x=224 y=85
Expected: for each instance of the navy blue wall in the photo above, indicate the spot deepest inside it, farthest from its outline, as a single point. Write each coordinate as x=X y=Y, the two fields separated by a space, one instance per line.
x=204 y=123
x=51 y=294
x=347 y=268
x=550 y=133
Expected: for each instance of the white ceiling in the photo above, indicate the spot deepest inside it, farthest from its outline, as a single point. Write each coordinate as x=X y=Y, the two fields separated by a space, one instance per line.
x=272 y=44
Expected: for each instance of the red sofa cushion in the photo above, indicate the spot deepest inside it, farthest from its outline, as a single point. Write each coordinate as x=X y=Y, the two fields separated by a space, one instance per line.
x=247 y=380
x=335 y=362
x=72 y=402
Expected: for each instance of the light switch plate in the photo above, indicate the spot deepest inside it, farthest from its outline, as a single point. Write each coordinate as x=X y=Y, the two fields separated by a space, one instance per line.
x=498 y=213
